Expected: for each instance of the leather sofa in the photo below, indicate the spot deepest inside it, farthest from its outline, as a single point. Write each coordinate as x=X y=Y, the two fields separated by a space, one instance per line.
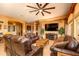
x=69 y=46
x=14 y=47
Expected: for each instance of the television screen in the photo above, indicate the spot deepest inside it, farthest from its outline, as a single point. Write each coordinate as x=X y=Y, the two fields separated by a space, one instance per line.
x=51 y=27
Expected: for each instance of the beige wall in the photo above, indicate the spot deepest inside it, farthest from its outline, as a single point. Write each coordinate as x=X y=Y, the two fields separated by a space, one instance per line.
x=73 y=19
x=76 y=20
x=76 y=9
x=70 y=18
x=4 y=26
x=5 y=20
x=59 y=21
x=70 y=22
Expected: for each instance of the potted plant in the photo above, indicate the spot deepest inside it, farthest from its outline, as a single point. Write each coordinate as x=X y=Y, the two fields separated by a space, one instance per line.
x=61 y=31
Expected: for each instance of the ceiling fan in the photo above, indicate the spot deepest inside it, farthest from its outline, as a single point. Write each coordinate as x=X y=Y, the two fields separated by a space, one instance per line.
x=41 y=8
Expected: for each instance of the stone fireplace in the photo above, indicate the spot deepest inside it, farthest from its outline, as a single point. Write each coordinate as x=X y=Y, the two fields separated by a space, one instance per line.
x=51 y=36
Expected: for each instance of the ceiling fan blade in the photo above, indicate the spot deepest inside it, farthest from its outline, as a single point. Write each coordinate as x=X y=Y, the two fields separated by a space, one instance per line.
x=47 y=12
x=34 y=10
x=37 y=13
x=45 y=5
x=49 y=8
x=42 y=13
x=32 y=7
x=38 y=5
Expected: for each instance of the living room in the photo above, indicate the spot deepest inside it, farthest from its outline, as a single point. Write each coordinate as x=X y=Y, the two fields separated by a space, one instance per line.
x=39 y=31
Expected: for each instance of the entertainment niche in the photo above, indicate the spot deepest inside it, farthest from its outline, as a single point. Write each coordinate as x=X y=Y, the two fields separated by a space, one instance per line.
x=53 y=27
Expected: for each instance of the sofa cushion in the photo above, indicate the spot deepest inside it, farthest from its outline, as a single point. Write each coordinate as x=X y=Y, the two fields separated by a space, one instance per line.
x=78 y=50
x=72 y=45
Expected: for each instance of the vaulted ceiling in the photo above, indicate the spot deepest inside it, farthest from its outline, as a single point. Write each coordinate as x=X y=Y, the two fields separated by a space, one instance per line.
x=21 y=11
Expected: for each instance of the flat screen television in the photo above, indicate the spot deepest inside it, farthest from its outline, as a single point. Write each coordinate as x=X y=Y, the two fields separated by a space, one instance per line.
x=51 y=27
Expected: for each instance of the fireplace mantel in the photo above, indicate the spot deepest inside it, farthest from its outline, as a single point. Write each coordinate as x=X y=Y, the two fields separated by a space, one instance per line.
x=51 y=36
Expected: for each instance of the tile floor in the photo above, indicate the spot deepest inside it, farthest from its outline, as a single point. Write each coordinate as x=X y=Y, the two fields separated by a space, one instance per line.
x=46 y=51
x=2 y=51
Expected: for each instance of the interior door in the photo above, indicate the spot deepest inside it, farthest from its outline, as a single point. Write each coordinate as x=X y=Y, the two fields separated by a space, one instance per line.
x=19 y=29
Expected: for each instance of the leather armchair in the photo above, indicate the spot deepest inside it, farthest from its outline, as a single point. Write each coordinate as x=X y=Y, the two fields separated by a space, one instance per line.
x=70 y=47
x=14 y=47
x=8 y=45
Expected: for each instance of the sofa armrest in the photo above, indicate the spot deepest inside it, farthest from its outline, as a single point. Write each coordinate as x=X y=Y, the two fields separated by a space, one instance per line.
x=57 y=45
x=61 y=44
x=73 y=53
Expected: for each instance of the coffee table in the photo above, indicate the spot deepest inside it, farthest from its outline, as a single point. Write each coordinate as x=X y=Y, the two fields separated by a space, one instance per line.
x=41 y=42
x=37 y=47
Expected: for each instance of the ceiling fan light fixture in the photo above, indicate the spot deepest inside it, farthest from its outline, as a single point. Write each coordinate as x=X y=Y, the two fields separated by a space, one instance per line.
x=40 y=10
